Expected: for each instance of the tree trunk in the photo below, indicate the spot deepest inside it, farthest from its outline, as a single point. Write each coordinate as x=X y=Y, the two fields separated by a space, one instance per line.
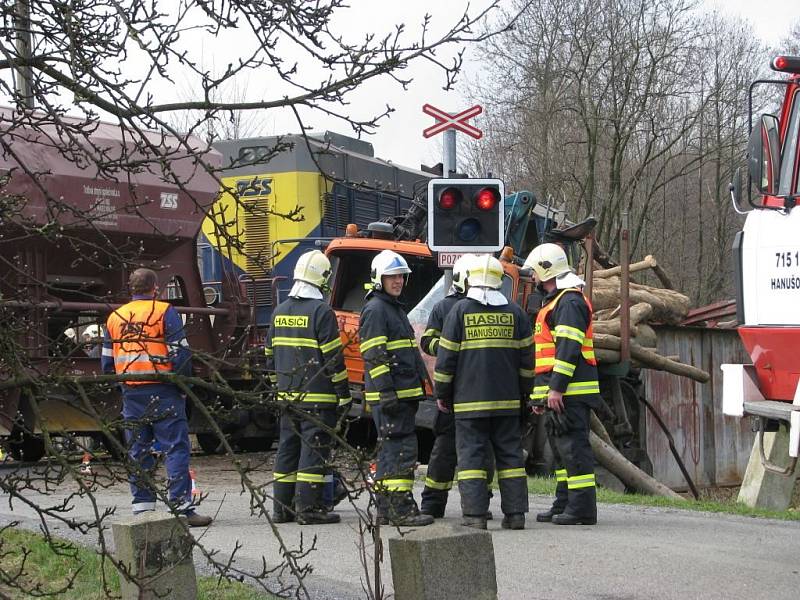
x=627 y=472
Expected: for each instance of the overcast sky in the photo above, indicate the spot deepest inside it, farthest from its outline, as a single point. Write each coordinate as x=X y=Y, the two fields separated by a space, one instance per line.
x=400 y=137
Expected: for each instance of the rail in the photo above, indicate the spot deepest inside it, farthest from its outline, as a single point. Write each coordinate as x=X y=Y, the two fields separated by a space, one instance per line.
x=59 y=306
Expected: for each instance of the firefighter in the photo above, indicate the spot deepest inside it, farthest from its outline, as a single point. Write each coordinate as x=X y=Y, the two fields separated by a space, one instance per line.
x=305 y=361
x=393 y=382
x=484 y=371
x=566 y=379
x=442 y=462
x=145 y=336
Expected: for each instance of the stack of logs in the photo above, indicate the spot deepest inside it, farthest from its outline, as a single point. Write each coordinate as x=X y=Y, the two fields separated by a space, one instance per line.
x=647 y=305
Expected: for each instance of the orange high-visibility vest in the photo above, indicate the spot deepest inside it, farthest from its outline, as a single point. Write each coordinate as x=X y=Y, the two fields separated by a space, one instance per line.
x=139 y=342
x=544 y=343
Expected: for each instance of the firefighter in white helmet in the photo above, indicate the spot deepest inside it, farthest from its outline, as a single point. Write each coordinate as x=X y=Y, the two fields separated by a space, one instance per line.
x=484 y=371
x=566 y=380
x=393 y=384
x=305 y=361
x=442 y=462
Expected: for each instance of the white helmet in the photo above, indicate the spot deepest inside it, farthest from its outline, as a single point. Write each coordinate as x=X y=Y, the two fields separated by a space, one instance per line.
x=387 y=262
x=485 y=271
x=93 y=331
x=313 y=267
x=548 y=261
x=460 y=272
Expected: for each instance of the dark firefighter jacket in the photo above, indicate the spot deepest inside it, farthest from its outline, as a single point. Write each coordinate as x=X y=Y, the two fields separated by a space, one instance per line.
x=570 y=367
x=433 y=331
x=485 y=362
x=304 y=351
x=391 y=357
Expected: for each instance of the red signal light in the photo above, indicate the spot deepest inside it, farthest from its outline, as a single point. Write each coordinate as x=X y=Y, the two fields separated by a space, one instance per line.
x=449 y=198
x=787 y=64
x=486 y=199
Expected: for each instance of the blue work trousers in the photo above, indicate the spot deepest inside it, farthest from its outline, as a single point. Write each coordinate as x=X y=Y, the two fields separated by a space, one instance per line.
x=157 y=413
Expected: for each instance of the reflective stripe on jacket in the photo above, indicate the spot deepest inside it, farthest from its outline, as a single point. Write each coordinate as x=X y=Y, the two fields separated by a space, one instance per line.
x=484 y=366
x=304 y=354
x=563 y=341
x=391 y=357
x=138 y=339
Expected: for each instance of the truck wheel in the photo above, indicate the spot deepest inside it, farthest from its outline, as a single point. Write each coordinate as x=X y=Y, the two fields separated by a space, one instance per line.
x=255 y=444
x=210 y=443
x=25 y=447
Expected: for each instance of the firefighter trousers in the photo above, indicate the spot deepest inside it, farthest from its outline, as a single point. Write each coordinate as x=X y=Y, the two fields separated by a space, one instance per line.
x=474 y=437
x=576 y=493
x=304 y=447
x=157 y=413
x=442 y=467
x=397 y=458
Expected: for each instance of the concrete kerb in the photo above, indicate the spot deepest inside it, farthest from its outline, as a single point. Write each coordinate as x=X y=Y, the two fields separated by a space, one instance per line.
x=443 y=561
x=157 y=550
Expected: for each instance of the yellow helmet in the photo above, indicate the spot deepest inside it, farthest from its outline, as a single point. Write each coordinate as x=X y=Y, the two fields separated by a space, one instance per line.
x=313 y=267
x=387 y=262
x=485 y=271
x=548 y=261
x=460 y=272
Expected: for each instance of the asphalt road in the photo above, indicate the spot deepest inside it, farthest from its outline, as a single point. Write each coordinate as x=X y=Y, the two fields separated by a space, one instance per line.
x=632 y=553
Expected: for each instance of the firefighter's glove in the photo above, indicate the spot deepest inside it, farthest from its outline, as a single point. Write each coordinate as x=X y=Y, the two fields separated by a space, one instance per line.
x=390 y=403
x=556 y=423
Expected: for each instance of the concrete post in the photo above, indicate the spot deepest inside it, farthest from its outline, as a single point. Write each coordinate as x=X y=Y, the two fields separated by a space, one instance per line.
x=443 y=562
x=762 y=489
x=157 y=551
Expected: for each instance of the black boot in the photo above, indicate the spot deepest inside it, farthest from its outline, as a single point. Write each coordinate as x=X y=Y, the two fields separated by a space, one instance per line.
x=475 y=521
x=282 y=516
x=513 y=521
x=568 y=519
x=546 y=517
x=317 y=517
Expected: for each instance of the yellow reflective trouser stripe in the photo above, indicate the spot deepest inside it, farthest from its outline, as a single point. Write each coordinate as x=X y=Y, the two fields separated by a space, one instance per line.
x=340 y=376
x=488 y=405
x=284 y=477
x=452 y=346
x=438 y=485
x=303 y=477
x=526 y=373
x=573 y=389
x=268 y=351
x=435 y=333
x=407 y=393
x=307 y=397
x=332 y=345
x=471 y=474
x=378 y=371
x=397 y=485
x=508 y=473
x=561 y=474
x=372 y=342
x=564 y=367
x=291 y=341
x=395 y=344
x=443 y=377
x=580 y=481
x=479 y=344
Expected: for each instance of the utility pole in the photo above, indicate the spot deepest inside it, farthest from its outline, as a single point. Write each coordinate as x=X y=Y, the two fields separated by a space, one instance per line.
x=24 y=73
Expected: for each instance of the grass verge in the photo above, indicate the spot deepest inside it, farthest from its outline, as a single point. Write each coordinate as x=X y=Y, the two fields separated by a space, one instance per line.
x=547 y=486
x=73 y=572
